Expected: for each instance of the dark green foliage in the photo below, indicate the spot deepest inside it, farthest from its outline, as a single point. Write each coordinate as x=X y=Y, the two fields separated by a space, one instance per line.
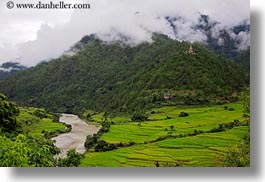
x=105 y=126
x=41 y=114
x=72 y=160
x=25 y=151
x=139 y=116
x=161 y=138
x=214 y=130
x=197 y=132
x=90 y=141
x=120 y=78
x=15 y=65
x=103 y=146
x=246 y=115
x=105 y=116
x=228 y=108
x=243 y=58
x=236 y=122
x=8 y=113
x=12 y=69
x=88 y=116
x=245 y=99
x=230 y=125
x=55 y=117
x=183 y=114
x=177 y=164
x=239 y=155
x=131 y=143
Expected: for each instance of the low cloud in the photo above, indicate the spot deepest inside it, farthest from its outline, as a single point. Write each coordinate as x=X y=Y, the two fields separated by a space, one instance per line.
x=134 y=19
x=6 y=69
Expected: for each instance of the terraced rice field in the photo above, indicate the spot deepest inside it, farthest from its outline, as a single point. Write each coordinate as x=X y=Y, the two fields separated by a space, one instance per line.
x=167 y=138
x=36 y=125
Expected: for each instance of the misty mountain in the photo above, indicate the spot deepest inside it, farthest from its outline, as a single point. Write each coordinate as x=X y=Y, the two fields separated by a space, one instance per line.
x=9 y=68
x=229 y=42
x=115 y=77
x=226 y=42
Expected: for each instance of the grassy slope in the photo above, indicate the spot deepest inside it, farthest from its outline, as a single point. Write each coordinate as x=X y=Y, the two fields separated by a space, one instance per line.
x=204 y=118
x=35 y=125
x=200 y=150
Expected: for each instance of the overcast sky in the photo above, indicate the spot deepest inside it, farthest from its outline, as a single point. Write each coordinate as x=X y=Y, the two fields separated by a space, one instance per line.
x=30 y=36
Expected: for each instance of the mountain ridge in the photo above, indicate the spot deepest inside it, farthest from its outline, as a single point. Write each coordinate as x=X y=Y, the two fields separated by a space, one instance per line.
x=111 y=77
x=10 y=68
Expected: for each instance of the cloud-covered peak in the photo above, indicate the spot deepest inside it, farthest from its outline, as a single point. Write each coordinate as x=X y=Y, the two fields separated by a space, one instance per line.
x=131 y=20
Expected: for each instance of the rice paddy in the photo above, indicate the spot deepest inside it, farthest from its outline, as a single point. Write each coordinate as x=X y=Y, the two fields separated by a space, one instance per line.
x=169 y=140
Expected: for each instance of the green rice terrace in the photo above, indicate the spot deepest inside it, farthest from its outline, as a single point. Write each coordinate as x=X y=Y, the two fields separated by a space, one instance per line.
x=166 y=139
x=36 y=121
x=168 y=136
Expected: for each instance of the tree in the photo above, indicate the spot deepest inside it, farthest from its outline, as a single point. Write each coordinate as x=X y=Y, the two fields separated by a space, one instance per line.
x=104 y=128
x=25 y=151
x=88 y=116
x=103 y=146
x=105 y=116
x=239 y=155
x=8 y=113
x=14 y=153
x=42 y=153
x=183 y=114
x=73 y=159
x=245 y=99
x=139 y=116
x=90 y=141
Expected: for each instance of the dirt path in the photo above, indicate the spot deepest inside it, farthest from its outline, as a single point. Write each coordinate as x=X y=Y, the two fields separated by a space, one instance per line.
x=76 y=138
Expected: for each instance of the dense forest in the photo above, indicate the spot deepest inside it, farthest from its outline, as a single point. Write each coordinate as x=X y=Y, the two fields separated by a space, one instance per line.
x=119 y=78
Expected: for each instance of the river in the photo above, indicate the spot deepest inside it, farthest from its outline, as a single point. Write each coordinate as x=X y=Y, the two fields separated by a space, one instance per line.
x=76 y=138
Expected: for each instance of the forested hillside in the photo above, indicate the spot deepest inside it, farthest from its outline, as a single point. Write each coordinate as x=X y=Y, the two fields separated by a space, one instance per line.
x=116 y=77
x=10 y=68
x=225 y=43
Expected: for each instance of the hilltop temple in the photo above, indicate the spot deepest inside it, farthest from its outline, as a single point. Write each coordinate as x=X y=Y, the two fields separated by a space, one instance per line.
x=191 y=51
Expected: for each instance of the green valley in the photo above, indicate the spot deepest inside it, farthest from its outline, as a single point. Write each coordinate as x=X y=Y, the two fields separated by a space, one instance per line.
x=164 y=103
x=199 y=139
x=127 y=84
